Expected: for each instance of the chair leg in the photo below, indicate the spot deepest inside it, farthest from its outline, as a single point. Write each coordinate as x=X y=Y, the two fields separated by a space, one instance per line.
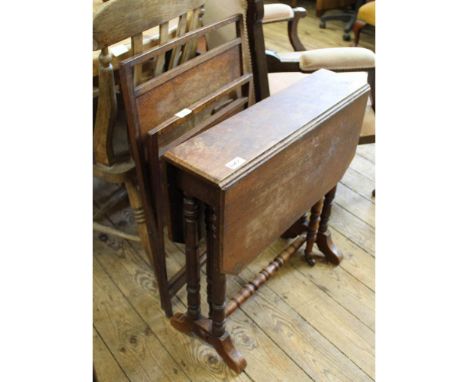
x=357 y=27
x=155 y=251
x=138 y=212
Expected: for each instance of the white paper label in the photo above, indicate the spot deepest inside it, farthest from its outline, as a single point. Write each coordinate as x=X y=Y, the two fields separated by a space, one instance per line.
x=235 y=163
x=183 y=113
x=119 y=50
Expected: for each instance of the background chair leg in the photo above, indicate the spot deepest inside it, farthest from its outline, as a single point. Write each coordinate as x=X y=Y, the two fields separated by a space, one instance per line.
x=357 y=27
x=157 y=255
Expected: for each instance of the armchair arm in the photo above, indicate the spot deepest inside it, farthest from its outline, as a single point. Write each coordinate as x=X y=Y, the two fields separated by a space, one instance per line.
x=282 y=12
x=277 y=12
x=338 y=59
x=342 y=59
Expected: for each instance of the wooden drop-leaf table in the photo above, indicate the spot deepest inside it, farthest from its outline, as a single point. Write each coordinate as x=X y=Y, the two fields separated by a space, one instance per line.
x=255 y=174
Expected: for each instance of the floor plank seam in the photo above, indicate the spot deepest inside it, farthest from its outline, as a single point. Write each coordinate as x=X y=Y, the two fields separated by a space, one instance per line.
x=369 y=199
x=111 y=353
x=139 y=315
x=357 y=217
x=352 y=241
x=315 y=328
x=333 y=298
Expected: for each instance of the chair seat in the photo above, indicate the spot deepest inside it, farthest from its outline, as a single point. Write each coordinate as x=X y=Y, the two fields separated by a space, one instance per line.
x=281 y=81
x=367 y=13
x=277 y=12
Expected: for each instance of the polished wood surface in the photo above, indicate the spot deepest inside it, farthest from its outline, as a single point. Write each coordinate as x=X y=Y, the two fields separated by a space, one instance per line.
x=273 y=125
x=252 y=203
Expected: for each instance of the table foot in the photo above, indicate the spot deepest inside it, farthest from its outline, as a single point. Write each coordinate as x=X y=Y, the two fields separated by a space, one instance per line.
x=328 y=248
x=223 y=345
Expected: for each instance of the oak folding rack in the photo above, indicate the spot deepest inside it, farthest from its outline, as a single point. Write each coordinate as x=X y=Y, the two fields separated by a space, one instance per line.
x=252 y=174
x=171 y=107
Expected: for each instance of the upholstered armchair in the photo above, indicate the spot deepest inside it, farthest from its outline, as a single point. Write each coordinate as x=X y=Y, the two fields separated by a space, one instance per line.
x=276 y=71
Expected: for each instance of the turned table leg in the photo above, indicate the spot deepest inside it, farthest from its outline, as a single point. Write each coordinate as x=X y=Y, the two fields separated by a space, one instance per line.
x=312 y=231
x=184 y=322
x=210 y=237
x=216 y=280
x=324 y=240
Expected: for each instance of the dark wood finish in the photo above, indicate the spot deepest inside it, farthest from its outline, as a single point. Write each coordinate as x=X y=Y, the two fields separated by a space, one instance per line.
x=191 y=257
x=250 y=200
x=211 y=330
x=244 y=235
x=324 y=240
x=293 y=35
x=312 y=231
x=255 y=12
x=358 y=25
x=155 y=124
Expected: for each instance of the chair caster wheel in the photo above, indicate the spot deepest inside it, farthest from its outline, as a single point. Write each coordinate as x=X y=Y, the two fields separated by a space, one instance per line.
x=347 y=37
x=310 y=260
x=322 y=24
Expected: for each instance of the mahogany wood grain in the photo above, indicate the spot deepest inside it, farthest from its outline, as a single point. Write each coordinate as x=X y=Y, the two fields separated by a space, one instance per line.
x=312 y=230
x=312 y=146
x=324 y=242
x=244 y=230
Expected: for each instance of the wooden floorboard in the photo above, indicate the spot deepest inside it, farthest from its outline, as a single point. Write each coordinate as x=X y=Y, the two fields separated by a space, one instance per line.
x=306 y=324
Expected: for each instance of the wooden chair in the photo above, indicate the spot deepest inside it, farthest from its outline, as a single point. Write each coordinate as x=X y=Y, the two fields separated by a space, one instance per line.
x=124 y=22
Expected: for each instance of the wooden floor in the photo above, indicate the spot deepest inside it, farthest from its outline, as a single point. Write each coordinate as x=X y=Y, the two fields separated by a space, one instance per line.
x=304 y=324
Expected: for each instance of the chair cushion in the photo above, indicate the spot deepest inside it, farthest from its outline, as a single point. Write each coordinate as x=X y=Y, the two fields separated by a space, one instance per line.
x=367 y=13
x=280 y=81
x=337 y=59
x=277 y=12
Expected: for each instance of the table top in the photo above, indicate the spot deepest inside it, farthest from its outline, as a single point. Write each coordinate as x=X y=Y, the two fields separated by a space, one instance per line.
x=261 y=169
x=233 y=147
